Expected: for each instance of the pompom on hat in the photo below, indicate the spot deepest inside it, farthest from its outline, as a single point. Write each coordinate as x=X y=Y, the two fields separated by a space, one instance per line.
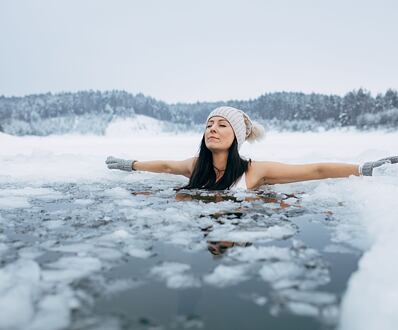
x=244 y=128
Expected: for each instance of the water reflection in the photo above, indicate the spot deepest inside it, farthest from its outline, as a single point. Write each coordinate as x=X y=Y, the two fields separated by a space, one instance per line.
x=217 y=248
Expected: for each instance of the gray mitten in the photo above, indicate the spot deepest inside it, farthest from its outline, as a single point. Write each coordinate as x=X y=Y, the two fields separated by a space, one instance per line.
x=367 y=168
x=114 y=163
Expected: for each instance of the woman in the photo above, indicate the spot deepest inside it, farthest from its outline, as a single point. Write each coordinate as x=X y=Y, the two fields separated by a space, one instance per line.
x=219 y=165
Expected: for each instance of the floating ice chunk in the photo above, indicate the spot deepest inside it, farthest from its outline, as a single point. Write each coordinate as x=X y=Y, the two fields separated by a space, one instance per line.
x=68 y=269
x=187 y=322
x=261 y=301
x=53 y=313
x=153 y=215
x=253 y=253
x=302 y=309
x=83 y=201
x=117 y=193
x=334 y=248
x=323 y=196
x=311 y=297
x=74 y=248
x=53 y=224
x=256 y=298
x=138 y=252
x=176 y=275
x=223 y=275
x=119 y=285
x=184 y=238
x=117 y=236
x=29 y=253
x=279 y=271
x=105 y=253
x=280 y=232
x=16 y=306
x=290 y=201
x=274 y=232
x=19 y=198
x=125 y=202
x=25 y=271
x=18 y=289
x=242 y=193
x=121 y=233
x=44 y=193
x=13 y=202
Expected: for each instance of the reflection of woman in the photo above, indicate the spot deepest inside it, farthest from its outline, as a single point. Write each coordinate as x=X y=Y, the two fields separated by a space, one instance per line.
x=219 y=165
x=219 y=247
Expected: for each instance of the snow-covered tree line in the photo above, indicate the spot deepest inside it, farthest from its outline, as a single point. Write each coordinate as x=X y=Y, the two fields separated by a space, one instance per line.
x=91 y=111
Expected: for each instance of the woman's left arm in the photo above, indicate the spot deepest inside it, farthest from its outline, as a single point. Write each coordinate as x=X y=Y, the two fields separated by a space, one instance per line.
x=275 y=172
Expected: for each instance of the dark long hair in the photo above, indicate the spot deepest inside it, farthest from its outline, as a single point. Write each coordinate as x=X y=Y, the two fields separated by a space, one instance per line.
x=204 y=175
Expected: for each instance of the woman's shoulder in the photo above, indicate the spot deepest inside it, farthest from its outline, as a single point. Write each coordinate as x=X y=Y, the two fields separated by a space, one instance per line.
x=255 y=164
x=256 y=173
x=259 y=164
x=191 y=163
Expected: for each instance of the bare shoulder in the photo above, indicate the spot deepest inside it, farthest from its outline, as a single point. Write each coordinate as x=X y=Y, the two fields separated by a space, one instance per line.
x=190 y=165
x=256 y=173
x=267 y=172
x=262 y=165
x=192 y=162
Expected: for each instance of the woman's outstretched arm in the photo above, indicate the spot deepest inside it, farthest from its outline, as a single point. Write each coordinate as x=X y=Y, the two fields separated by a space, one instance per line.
x=338 y=170
x=275 y=172
x=179 y=167
x=183 y=167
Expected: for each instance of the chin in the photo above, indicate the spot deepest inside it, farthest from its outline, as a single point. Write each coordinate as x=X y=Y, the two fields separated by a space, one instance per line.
x=212 y=147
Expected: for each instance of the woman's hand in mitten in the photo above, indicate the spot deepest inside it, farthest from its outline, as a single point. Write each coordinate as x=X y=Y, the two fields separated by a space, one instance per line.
x=114 y=163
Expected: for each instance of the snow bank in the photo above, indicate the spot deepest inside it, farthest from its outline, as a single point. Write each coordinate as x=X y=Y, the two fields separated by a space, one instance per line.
x=373 y=290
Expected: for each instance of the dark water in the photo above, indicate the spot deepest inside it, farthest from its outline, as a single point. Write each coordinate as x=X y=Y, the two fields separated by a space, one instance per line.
x=253 y=303
x=225 y=308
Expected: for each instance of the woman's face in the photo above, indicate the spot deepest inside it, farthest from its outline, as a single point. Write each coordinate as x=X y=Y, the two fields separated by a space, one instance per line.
x=219 y=134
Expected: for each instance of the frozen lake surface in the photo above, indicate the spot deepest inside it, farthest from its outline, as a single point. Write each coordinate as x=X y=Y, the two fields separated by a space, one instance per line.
x=83 y=247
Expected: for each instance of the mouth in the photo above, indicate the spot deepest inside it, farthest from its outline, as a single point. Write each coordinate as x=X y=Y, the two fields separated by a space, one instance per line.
x=212 y=138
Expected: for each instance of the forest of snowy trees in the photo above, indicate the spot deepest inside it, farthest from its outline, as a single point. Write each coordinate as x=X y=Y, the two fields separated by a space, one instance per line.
x=91 y=111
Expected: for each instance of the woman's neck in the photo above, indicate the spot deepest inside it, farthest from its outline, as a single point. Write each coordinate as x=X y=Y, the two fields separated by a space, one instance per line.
x=220 y=160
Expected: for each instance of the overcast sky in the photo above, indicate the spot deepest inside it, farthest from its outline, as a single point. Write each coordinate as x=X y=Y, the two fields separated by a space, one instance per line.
x=207 y=50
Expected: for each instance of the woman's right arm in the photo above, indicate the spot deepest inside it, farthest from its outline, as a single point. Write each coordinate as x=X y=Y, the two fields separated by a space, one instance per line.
x=179 y=167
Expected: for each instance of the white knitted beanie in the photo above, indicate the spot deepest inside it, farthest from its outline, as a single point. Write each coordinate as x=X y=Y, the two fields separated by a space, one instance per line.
x=244 y=128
